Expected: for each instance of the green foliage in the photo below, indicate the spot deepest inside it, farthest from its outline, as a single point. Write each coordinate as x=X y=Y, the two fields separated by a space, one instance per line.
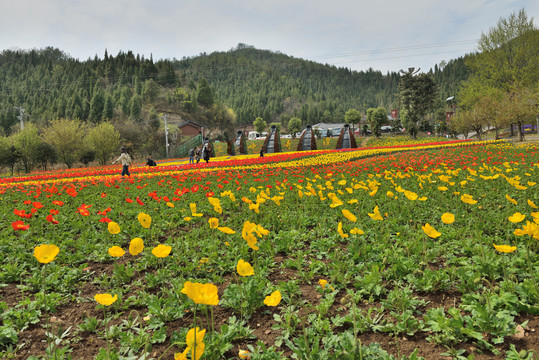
x=377 y=118
x=260 y=125
x=294 y=126
x=417 y=95
x=104 y=140
x=352 y=116
x=46 y=154
x=508 y=57
x=28 y=141
x=205 y=94
x=66 y=136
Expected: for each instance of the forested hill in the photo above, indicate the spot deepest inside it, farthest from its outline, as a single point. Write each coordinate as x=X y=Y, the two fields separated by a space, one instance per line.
x=275 y=86
x=50 y=84
x=268 y=84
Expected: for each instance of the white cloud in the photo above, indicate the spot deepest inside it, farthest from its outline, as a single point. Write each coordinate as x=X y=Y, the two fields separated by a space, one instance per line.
x=355 y=34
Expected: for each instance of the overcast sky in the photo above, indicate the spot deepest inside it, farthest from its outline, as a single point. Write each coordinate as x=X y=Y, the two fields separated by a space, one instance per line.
x=385 y=35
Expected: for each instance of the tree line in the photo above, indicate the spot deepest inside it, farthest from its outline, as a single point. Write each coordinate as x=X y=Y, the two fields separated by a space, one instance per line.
x=503 y=88
x=221 y=91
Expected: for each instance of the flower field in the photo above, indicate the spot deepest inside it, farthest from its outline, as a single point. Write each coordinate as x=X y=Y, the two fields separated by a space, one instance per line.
x=412 y=250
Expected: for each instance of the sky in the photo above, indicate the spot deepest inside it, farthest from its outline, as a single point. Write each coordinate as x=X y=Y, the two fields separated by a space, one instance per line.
x=385 y=35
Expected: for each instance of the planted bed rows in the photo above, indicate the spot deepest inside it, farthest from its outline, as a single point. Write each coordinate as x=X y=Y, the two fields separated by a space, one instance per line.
x=410 y=251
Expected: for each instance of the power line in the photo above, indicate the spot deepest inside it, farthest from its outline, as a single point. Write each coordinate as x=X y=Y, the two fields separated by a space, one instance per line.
x=396 y=49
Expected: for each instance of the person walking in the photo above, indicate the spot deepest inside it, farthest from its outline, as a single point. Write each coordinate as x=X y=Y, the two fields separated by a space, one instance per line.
x=198 y=154
x=191 y=155
x=126 y=161
x=206 y=154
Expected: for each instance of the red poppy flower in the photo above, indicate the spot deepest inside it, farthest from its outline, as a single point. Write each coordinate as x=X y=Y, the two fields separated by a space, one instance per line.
x=103 y=195
x=129 y=200
x=19 y=225
x=51 y=219
x=83 y=209
x=105 y=220
x=210 y=194
x=27 y=202
x=140 y=201
x=22 y=213
x=37 y=205
x=71 y=192
x=54 y=211
x=58 y=202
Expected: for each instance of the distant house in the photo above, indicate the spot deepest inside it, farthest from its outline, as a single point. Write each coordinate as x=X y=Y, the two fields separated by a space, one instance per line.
x=189 y=128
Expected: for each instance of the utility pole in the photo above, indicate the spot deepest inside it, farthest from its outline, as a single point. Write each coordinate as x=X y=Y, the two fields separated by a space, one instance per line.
x=22 y=115
x=166 y=135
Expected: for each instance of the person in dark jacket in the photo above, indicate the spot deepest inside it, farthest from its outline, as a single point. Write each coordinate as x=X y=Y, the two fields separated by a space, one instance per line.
x=151 y=161
x=206 y=154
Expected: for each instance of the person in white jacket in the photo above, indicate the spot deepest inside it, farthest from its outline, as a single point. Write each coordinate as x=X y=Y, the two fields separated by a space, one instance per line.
x=126 y=161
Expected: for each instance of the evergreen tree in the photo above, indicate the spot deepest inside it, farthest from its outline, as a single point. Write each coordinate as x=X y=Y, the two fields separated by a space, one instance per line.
x=108 y=108
x=204 y=94
x=136 y=108
x=96 y=107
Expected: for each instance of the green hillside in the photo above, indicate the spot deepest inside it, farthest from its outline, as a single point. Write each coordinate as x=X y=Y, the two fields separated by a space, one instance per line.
x=48 y=84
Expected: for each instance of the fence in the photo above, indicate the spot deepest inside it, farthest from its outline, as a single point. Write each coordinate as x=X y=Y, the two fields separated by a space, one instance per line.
x=183 y=149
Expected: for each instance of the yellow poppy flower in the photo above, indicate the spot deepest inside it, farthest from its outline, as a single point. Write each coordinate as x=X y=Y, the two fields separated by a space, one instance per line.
x=105 y=299
x=136 y=246
x=376 y=214
x=273 y=299
x=347 y=214
x=430 y=231
x=511 y=199
x=113 y=228
x=356 y=231
x=468 y=199
x=255 y=207
x=516 y=217
x=46 y=253
x=390 y=194
x=244 y=354
x=410 y=195
x=226 y=230
x=244 y=268
x=504 y=248
x=161 y=251
x=448 y=218
x=187 y=218
x=339 y=230
x=116 y=251
x=214 y=223
x=335 y=201
x=195 y=344
x=145 y=220
x=191 y=339
x=169 y=204
x=532 y=204
x=193 y=208
x=323 y=283
x=205 y=294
